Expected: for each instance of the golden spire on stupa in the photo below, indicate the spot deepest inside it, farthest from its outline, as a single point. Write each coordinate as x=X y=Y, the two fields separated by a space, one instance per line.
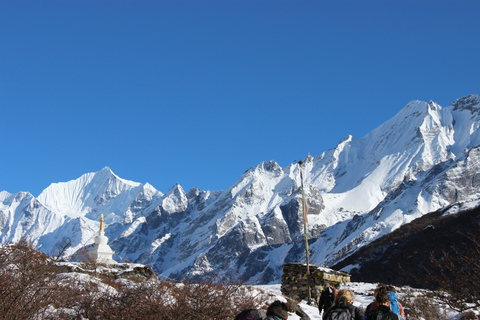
x=101 y=222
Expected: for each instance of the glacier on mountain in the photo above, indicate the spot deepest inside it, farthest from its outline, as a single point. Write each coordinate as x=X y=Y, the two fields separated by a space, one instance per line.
x=424 y=158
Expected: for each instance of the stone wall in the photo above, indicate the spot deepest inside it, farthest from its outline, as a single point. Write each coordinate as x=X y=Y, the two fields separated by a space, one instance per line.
x=295 y=282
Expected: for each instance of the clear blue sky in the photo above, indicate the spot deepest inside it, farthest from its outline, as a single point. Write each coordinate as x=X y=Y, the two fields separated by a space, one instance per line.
x=197 y=92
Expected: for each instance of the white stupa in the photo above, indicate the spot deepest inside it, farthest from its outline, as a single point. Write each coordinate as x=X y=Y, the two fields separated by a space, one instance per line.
x=101 y=252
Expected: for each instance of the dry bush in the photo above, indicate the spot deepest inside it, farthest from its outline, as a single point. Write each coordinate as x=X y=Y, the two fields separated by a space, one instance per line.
x=214 y=299
x=26 y=287
x=33 y=287
x=159 y=300
x=469 y=315
x=422 y=306
x=169 y=301
x=457 y=275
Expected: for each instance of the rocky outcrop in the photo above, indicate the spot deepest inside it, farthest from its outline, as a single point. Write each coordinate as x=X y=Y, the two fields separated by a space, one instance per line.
x=136 y=272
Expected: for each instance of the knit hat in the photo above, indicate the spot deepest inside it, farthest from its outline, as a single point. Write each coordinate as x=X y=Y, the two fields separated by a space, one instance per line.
x=279 y=309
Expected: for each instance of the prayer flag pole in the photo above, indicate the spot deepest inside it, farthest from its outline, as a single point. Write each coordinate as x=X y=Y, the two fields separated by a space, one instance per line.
x=300 y=163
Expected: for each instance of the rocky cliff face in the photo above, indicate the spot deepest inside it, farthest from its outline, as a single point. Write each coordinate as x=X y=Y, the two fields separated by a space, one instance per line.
x=423 y=159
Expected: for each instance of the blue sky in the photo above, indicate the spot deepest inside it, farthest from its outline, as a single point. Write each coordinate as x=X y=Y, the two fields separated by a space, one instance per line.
x=197 y=92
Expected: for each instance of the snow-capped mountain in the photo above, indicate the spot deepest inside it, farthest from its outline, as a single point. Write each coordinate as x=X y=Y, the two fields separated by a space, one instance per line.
x=425 y=158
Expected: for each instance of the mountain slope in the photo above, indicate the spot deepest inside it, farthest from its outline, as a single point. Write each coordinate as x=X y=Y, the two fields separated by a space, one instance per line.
x=402 y=256
x=423 y=159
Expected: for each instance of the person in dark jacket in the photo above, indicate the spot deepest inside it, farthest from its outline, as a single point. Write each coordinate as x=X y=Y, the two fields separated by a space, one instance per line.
x=383 y=311
x=327 y=298
x=374 y=305
x=343 y=308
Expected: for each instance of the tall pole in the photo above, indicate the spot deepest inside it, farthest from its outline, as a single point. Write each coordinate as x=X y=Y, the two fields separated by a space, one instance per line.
x=300 y=163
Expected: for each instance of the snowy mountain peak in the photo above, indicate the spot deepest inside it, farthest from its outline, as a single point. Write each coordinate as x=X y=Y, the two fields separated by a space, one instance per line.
x=175 y=200
x=95 y=193
x=106 y=170
x=470 y=102
x=107 y=173
x=8 y=198
x=433 y=106
x=425 y=158
x=269 y=167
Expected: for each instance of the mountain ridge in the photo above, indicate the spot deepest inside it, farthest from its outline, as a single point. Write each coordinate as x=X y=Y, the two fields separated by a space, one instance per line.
x=403 y=256
x=423 y=159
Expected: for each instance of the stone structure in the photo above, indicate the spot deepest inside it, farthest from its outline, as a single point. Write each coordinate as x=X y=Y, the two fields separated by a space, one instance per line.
x=295 y=282
x=101 y=251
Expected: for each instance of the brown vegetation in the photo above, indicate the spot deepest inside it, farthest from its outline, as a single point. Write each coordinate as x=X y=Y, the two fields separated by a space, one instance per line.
x=456 y=275
x=401 y=257
x=33 y=287
x=422 y=306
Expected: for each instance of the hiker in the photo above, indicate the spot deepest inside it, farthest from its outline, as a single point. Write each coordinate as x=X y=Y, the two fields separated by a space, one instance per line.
x=251 y=314
x=277 y=311
x=395 y=305
x=374 y=305
x=343 y=308
x=327 y=297
x=382 y=312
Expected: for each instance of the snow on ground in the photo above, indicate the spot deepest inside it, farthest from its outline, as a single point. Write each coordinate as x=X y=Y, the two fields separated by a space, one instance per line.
x=363 y=296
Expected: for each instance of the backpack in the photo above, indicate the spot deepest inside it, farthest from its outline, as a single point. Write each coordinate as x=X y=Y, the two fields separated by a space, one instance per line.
x=382 y=314
x=394 y=303
x=339 y=314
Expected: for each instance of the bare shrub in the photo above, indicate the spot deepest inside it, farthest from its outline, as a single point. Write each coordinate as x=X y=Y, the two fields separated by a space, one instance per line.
x=32 y=286
x=26 y=286
x=214 y=299
x=457 y=275
x=469 y=315
x=422 y=306
x=159 y=300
